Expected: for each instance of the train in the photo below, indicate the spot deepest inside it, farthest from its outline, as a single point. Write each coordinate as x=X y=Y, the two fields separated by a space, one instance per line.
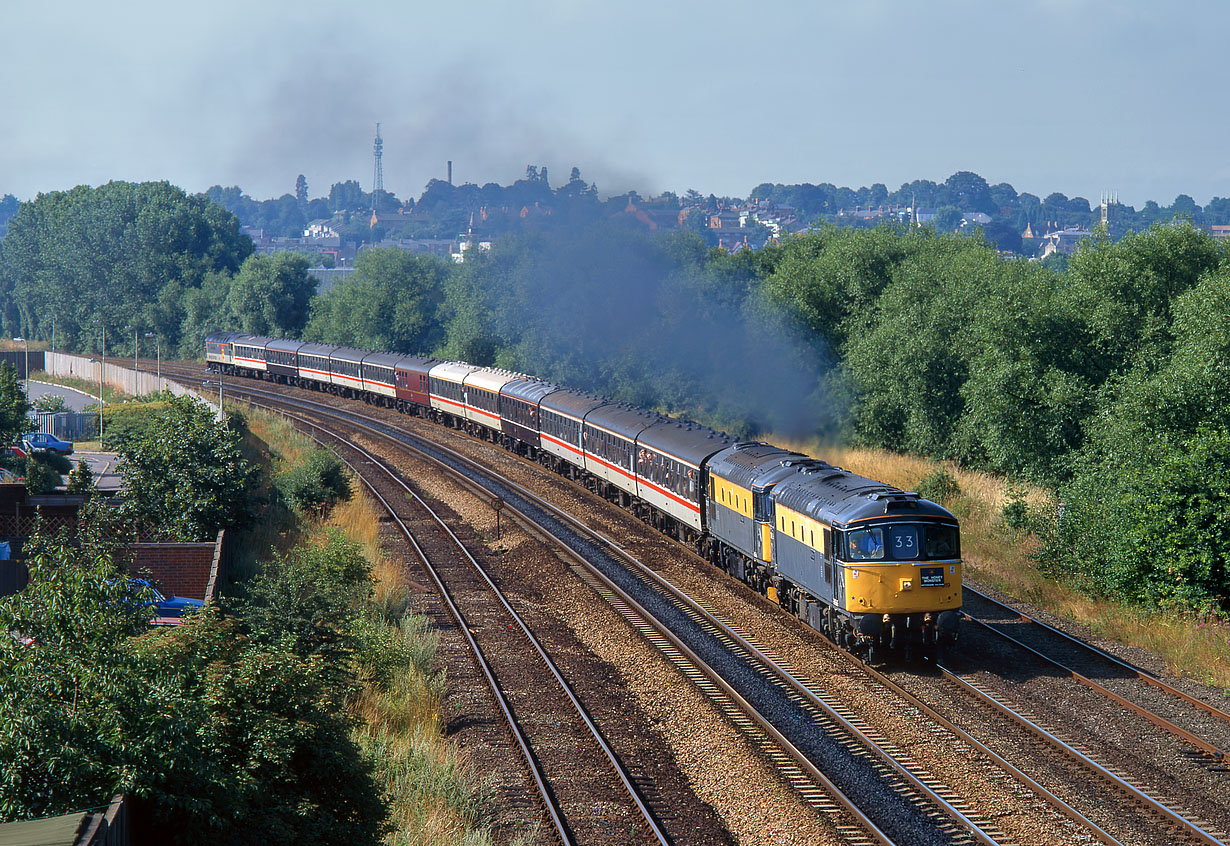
x=875 y=568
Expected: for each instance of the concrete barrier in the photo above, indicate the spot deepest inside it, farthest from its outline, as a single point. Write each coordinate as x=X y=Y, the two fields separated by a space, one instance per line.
x=125 y=379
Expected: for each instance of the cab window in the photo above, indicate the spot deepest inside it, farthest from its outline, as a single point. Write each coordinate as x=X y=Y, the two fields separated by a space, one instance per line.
x=942 y=542
x=867 y=544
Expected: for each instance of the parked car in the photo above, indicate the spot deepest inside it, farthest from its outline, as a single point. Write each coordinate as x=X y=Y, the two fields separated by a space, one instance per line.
x=14 y=452
x=43 y=442
x=168 y=609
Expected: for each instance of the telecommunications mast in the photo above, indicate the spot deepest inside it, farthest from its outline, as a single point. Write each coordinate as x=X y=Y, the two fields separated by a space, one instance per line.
x=378 y=169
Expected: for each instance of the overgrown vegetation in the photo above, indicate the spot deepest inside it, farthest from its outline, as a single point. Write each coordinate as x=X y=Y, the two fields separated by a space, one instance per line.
x=315 y=484
x=304 y=707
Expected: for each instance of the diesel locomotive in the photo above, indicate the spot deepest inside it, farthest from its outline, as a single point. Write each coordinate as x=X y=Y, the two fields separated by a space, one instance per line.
x=875 y=568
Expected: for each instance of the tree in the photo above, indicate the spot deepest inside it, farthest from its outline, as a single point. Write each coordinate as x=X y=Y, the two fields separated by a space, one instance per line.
x=346 y=196
x=185 y=477
x=81 y=480
x=107 y=253
x=301 y=191
x=270 y=295
x=391 y=302
x=947 y=219
x=14 y=407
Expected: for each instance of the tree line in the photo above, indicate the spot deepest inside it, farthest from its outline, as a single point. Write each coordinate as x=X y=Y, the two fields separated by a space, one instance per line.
x=443 y=210
x=114 y=263
x=1105 y=382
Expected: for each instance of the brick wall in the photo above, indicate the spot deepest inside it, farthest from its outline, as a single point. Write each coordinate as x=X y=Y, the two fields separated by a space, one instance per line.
x=179 y=569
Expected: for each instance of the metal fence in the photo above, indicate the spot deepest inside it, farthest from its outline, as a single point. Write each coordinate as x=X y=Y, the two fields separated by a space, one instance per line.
x=69 y=425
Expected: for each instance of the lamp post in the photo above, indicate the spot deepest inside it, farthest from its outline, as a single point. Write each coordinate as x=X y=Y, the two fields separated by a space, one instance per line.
x=158 y=349
x=135 y=346
x=26 y=373
x=102 y=366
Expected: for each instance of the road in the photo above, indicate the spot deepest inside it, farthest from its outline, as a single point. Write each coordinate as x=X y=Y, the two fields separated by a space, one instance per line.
x=77 y=400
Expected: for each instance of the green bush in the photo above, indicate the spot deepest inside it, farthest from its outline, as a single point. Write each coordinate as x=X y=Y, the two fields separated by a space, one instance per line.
x=41 y=476
x=1015 y=512
x=315 y=485
x=81 y=480
x=938 y=486
x=50 y=402
x=126 y=421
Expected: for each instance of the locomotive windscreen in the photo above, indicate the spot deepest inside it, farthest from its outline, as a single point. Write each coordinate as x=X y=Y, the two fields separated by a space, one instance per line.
x=903 y=542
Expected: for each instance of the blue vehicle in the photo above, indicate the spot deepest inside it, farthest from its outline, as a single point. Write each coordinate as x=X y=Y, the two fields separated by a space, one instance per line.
x=167 y=609
x=44 y=442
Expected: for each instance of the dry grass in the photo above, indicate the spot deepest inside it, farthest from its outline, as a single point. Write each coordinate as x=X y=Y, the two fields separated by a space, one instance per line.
x=1000 y=557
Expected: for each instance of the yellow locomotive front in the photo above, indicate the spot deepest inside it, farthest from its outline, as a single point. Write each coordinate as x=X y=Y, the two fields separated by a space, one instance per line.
x=901 y=579
x=877 y=568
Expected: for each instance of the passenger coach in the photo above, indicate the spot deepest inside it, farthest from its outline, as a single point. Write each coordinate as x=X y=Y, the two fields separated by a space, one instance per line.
x=250 y=355
x=670 y=458
x=377 y=376
x=412 y=381
x=520 y=414
x=562 y=414
x=282 y=359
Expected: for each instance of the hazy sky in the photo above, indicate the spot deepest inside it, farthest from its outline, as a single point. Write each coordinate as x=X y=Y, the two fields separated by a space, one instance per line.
x=1076 y=96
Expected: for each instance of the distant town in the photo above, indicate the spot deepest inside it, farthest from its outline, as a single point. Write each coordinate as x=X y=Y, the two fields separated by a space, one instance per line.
x=448 y=219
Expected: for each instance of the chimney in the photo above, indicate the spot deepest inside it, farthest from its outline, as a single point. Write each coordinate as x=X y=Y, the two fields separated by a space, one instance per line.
x=450 y=171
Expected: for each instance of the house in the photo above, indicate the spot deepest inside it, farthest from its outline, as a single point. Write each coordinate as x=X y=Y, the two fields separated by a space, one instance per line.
x=396 y=219
x=975 y=219
x=322 y=230
x=1064 y=241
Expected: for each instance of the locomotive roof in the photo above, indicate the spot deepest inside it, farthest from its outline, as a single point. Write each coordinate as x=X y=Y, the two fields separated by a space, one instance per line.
x=490 y=379
x=383 y=359
x=317 y=349
x=682 y=439
x=757 y=465
x=833 y=495
x=627 y=421
x=284 y=345
x=222 y=337
x=528 y=388
x=573 y=403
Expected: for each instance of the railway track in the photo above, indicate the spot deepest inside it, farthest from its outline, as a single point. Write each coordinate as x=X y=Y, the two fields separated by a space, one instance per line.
x=850 y=745
x=1171 y=827
x=1134 y=688
x=562 y=777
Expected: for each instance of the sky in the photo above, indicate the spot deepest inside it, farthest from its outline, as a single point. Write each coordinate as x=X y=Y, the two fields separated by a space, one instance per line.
x=1082 y=97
